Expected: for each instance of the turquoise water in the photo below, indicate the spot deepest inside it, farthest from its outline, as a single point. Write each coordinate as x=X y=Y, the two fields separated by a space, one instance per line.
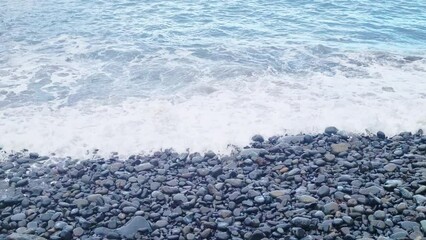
x=142 y=75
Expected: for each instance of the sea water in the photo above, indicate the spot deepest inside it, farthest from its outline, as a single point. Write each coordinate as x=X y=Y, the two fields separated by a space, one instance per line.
x=137 y=76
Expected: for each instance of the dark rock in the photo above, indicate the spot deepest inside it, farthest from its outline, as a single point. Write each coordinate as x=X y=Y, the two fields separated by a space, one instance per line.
x=21 y=183
x=258 y=138
x=257 y=235
x=169 y=190
x=330 y=130
x=381 y=135
x=206 y=233
x=301 y=222
x=308 y=139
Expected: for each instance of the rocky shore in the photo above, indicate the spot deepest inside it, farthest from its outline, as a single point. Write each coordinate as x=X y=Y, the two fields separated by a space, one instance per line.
x=325 y=186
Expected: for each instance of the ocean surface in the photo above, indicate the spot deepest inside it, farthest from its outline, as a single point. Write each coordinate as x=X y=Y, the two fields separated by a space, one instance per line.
x=135 y=76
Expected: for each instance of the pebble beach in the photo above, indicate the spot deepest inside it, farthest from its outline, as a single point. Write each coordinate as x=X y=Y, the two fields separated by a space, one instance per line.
x=331 y=185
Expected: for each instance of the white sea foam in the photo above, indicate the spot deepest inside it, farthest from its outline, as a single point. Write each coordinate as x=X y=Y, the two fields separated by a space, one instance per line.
x=141 y=76
x=210 y=115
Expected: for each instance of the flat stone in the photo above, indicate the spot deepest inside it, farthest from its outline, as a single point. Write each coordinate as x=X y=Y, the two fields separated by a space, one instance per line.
x=421 y=189
x=378 y=224
x=294 y=172
x=21 y=183
x=330 y=208
x=180 y=197
x=81 y=203
x=279 y=193
x=235 y=182
x=390 y=167
x=129 y=209
x=339 y=148
x=94 y=197
x=158 y=195
x=259 y=199
x=18 y=217
x=19 y=236
x=393 y=183
x=131 y=227
x=301 y=222
x=423 y=224
x=222 y=235
x=375 y=190
x=409 y=225
x=6 y=166
x=307 y=199
x=203 y=171
x=379 y=214
x=419 y=199
x=169 y=190
x=400 y=235
x=161 y=223
x=252 y=153
x=144 y=167
x=60 y=225
x=225 y=213
x=329 y=157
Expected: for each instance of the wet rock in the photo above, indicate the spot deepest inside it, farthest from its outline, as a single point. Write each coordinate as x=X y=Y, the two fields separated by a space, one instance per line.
x=381 y=135
x=330 y=130
x=258 y=138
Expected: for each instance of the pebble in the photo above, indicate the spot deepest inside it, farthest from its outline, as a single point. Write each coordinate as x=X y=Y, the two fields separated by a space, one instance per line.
x=259 y=199
x=339 y=148
x=331 y=130
x=301 y=222
x=379 y=214
x=390 y=167
x=18 y=217
x=323 y=191
x=307 y=199
x=331 y=208
x=304 y=186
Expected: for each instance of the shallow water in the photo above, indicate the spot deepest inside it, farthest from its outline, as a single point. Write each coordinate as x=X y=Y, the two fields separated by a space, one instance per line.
x=143 y=75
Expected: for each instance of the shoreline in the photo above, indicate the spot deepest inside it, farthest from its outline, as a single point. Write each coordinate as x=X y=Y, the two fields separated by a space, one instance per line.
x=324 y=186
